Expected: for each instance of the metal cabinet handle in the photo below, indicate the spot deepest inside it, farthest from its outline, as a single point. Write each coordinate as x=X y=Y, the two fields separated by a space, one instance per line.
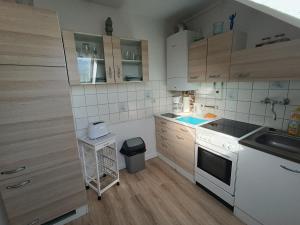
x=36 y=221
x=193 y=77
x=243 y=75
x=164 y=131
x=214 y=76
x=164 y=145
x=179 y=138
x=288 y=169
x=22 y=184
x=7 y=172
x=119 y=72
x=183 y=130
x=109 y=72
x=163 y=122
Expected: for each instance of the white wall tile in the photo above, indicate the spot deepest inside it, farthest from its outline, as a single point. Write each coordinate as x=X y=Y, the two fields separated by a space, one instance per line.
x=123 y=106
x=232 y=94
x=124 y=116
x=79 y=112
x=295 y=84
x=122 y=88
x=140 y=86
x=131 y=95
x=113 y=108
x=261 y=85
x=270 y=122
x=131 y=87
x=255 y=119
x=140 y=104
x=232 y=85
x=112 y=88
x=112 y=97
x=294 y=96
x=93 y=119
x=103 y=109
x=279 y=109
x=101 y=89
x=81 y=123
x=279 y=85
x=132 y=105
x=78 y=100
x=91 y=100
x=102 y=98
x=245 y=85
x=243 y=117
x=258 y=108
x=122 y=97
x=77 y=90
x=132 y=115
x=278 y=94
x=141 y=114
x=259 y=95
x=92 y=110
x=114 y=117
x=89 y=89
x=230 y=115
x=231 y=105
x=140 y=95
x=244 y=95
x=243 y=107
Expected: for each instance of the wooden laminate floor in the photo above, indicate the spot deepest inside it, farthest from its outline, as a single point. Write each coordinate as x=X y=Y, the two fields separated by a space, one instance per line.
x=157 y=195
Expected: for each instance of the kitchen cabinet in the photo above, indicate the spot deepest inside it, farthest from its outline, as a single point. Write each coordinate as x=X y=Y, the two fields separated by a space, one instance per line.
x=100 y=59
x=177 y=143
x=177 y=61
x=277 y=61
x=197 y=55
x=219 y=50
x=40 y=172
x=35 y=40
x=267 y=189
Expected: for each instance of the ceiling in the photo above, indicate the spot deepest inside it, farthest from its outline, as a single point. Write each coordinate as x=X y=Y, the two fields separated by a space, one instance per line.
x=161 y=9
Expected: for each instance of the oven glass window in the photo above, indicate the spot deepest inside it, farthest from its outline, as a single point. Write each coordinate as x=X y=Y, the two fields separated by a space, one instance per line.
x=215 y=165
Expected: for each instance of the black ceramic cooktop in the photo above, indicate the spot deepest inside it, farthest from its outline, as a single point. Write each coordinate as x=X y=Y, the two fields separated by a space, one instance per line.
x=231 y=127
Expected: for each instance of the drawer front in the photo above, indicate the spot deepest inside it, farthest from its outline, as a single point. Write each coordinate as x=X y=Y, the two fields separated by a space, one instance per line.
x=30 y=156
x=42 y=196
x=163 y=146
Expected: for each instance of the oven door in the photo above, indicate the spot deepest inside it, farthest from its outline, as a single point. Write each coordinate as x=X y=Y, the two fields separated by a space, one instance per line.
x=218 y=166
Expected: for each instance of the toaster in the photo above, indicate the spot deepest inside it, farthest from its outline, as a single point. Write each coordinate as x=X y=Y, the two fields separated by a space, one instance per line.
x=97 y=129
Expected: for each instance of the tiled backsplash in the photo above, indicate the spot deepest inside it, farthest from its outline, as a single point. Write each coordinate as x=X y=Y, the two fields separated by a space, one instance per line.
x=242 y=101
x=115 y=103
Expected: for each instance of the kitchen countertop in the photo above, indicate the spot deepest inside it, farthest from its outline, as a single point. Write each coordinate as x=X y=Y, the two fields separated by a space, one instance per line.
x=185 y=114
x=249 y=141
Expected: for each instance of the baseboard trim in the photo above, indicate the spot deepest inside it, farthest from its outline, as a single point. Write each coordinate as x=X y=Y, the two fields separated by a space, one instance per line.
x=245 y=217
x=79 y=212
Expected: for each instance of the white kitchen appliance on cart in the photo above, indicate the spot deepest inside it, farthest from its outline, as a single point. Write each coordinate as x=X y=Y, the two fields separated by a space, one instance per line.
x=100 y=162
x=217 y=155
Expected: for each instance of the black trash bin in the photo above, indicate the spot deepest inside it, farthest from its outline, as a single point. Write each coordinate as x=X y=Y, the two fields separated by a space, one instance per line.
x=134 y=150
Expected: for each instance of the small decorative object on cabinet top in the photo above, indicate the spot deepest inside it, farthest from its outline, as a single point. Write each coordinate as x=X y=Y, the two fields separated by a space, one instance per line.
x=231 y=19
x=108 y=26
x=218 y=27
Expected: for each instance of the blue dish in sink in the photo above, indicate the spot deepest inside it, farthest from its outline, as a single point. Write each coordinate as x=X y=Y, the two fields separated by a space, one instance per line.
x=191 y=120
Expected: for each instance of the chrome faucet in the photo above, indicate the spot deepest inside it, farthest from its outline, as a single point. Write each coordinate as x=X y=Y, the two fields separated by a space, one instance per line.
x=273 y=102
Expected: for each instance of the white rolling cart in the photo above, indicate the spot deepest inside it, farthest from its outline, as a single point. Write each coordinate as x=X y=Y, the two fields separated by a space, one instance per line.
x=100 y=162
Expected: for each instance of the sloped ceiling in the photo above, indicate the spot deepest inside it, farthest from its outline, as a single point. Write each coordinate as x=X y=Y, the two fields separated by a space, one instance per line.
x=285 y=10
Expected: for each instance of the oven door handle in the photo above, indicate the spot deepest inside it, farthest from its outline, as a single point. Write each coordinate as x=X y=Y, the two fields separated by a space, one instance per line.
x=217 y=153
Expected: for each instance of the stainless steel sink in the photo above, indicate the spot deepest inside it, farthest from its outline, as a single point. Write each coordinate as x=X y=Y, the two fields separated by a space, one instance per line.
x=279 y=141
x=274 y=142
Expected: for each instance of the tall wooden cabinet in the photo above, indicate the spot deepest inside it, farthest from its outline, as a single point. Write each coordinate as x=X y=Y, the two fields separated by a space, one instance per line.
x=100 y=59
x=197 y=61
x=40 y=173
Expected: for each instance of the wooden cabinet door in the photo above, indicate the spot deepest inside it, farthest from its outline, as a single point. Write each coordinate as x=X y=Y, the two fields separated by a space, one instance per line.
x=145 y=60
x=71 y=57
x=41 y=196
x=108 y=58
x=271 y=62
x=29 y=36
x=218 y=57
x=116 y=45
x=197 y=61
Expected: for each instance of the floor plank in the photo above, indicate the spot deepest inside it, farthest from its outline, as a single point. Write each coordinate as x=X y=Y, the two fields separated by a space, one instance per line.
x=157 y=195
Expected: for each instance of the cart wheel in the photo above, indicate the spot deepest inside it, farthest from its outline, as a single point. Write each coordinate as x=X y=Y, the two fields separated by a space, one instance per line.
x=99 y=198
x=118 y=183
x=87 y=187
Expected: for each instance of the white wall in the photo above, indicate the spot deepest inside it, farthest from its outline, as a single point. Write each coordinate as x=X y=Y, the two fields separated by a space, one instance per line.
x=255 y=23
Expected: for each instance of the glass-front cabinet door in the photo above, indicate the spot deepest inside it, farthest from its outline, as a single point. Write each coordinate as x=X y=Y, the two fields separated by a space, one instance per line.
x=89 y=58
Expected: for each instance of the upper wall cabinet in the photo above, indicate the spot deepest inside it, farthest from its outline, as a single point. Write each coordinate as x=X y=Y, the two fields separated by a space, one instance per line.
x=197 y=61
x=34 y=41
x=95 y=59
x=177 y=61
x=219 y=52
x=276 y=61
